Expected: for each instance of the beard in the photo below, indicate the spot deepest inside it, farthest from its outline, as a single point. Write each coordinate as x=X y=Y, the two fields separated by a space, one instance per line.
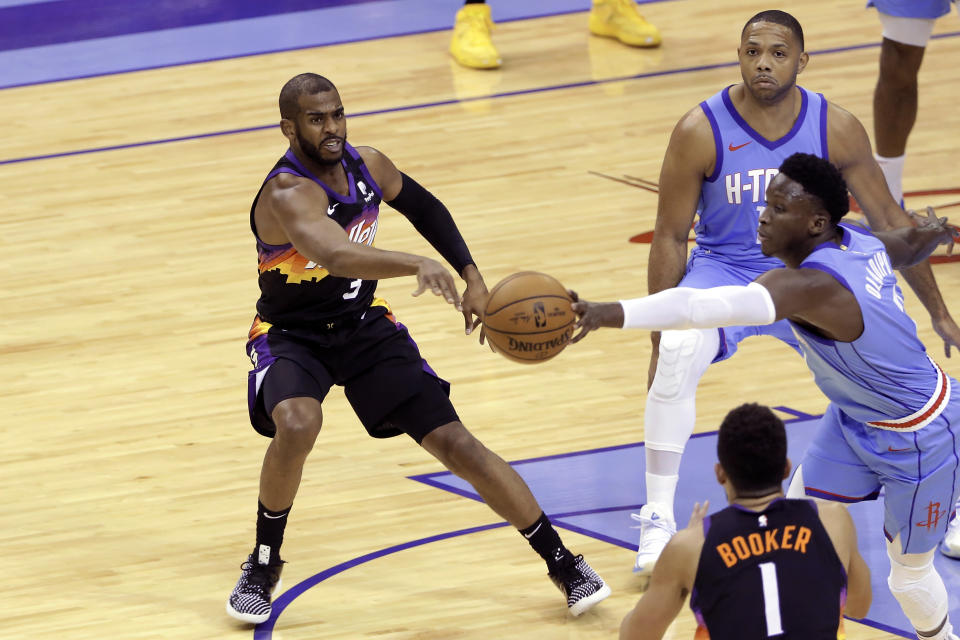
x=315 y=152
x=775 y=95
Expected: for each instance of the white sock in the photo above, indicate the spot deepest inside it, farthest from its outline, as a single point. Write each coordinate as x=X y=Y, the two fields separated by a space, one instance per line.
x=893 y=171
x=662 y=489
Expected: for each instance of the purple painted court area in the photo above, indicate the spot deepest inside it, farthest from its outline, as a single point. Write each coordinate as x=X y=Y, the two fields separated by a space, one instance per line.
x=594 y=492
x=47 y=41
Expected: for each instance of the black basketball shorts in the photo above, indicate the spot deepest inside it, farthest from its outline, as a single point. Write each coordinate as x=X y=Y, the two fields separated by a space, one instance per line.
x=390 y=386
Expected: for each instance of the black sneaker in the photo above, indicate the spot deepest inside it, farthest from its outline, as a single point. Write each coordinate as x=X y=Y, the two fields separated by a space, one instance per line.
x=580 y=584
x=250 y=600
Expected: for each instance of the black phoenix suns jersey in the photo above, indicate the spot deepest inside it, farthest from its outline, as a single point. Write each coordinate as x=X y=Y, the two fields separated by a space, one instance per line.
x=768 y=574
x=298 y=291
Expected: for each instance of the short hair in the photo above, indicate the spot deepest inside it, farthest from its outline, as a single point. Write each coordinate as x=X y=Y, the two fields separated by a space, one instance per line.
x=303 y=84
x=777 y=17
x=752 y=448
x=821 y=179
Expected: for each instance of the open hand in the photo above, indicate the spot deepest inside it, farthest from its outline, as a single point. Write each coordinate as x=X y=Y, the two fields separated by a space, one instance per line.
x=948 y=234
x=593 y=315
x=434 y=276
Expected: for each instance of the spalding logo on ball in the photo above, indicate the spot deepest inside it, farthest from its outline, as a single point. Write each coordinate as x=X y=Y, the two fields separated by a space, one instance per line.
x=528 y=317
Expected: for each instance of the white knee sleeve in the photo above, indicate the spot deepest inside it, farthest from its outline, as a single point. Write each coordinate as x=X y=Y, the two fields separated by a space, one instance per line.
x=917 y=587
x=671 y=401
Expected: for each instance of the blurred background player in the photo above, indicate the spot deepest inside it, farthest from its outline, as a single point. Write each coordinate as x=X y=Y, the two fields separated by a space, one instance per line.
x=765 y=566
x=907 y=26
x=894 y=415
x=721 y=157
x=472 y=46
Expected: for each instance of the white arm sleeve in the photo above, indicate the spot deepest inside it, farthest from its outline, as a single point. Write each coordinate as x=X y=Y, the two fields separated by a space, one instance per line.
x=686 y=308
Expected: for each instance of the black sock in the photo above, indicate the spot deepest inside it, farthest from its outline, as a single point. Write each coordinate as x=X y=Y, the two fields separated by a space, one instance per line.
x=546 y=541
x=270 y=526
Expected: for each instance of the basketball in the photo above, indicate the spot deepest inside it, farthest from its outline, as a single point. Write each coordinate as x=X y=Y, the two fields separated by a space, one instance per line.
x=528 y=317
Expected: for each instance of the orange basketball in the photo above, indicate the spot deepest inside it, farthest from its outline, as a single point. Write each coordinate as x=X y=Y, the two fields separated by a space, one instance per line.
x=528 y=317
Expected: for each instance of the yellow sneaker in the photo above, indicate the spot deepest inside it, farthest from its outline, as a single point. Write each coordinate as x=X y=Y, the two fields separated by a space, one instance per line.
x=621 y=19
x=471 y=45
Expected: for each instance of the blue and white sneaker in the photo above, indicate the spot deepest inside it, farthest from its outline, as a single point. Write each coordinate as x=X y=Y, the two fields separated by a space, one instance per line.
x=657 y=526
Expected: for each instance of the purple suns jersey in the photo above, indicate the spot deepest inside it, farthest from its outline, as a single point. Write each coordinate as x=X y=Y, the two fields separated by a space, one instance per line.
x=732 y=198
x=768 y=574
x=884 y=378
x=297 y=291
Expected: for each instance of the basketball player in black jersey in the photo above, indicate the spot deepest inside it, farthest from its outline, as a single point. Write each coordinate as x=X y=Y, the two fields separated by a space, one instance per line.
x=319 y=323
x=765 y=566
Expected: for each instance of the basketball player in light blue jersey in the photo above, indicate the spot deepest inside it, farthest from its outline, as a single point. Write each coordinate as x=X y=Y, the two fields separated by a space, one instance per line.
x=894 y=416
x=721 y=158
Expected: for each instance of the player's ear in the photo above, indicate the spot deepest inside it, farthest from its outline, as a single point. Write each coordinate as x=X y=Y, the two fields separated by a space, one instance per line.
x=289 y=129
x=819 y=224
x=802 y=63
x=720 y=473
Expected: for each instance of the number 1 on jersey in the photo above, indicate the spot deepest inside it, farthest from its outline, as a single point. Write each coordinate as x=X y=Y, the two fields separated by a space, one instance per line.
x=771 y=598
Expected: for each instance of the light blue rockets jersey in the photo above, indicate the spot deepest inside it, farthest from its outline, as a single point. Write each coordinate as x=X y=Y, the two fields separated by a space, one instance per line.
x=732 y=198
x=885 y=374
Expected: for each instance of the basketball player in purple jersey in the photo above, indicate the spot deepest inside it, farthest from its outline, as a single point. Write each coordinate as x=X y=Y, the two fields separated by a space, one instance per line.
x=721 y=158
x=894 y=416
x=319 y=323
x=748 y=568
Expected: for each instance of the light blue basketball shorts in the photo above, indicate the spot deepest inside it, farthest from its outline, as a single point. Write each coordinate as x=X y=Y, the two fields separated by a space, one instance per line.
x=705 y=270
x=919 y=471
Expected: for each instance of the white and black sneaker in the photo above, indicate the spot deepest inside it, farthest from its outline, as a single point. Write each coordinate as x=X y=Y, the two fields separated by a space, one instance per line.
x=250 y=600
x=580 y=584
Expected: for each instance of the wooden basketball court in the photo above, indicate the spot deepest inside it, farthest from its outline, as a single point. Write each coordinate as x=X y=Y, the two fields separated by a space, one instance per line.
x=129 y=467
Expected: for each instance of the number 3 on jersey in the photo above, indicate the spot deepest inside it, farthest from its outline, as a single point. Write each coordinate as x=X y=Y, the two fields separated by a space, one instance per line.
x=354 y=289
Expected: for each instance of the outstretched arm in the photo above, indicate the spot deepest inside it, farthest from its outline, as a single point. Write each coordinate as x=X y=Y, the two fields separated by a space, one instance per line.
x=850 y=151
x=433 y=221
x=806 y=295
x=298 y=207
x=679 y=308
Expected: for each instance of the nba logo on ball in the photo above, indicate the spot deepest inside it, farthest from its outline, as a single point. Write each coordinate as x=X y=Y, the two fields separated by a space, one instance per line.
x=528 y=317
x=539 y=314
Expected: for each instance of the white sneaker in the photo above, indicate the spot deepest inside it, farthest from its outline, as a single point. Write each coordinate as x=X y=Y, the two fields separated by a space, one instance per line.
x=656 y=528
x=951 y=542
